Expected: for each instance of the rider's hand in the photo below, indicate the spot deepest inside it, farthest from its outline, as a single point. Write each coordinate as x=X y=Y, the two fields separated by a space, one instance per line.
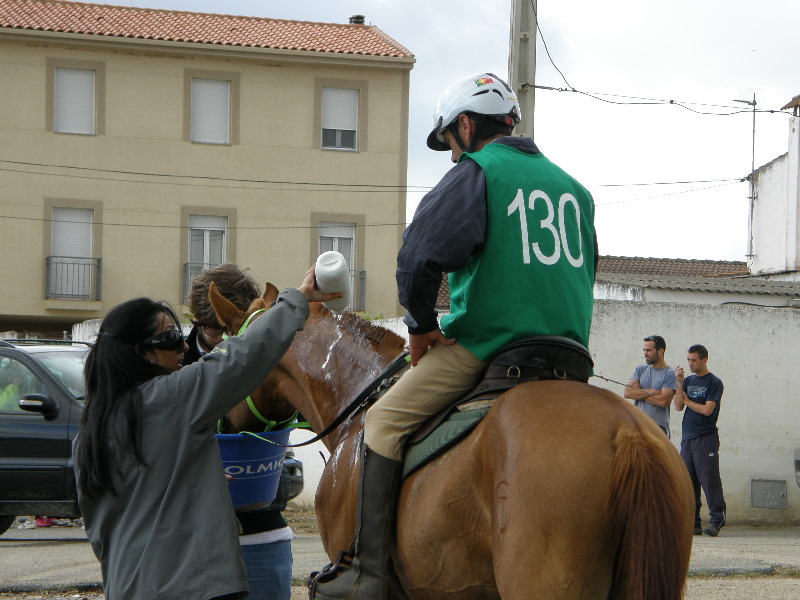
x=418 y=345
x=310 y=290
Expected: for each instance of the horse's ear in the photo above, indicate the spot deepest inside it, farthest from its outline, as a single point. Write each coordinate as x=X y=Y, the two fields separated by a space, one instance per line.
x=270 y=293
x=226 y=311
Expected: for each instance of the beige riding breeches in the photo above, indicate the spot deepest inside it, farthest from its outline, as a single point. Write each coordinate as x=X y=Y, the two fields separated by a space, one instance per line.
x=441 y=376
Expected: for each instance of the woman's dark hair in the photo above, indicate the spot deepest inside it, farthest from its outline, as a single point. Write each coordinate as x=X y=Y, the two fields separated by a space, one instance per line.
x=115 y=368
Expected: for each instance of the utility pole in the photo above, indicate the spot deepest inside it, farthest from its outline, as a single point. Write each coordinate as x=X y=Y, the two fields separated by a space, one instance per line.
x=522 y=60
x=751 y=179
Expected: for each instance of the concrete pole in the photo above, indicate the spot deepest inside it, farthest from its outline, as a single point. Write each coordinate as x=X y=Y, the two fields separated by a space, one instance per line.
x=522 y=60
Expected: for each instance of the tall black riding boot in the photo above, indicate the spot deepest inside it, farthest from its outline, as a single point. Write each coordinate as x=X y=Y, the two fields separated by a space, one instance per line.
x=368 y=575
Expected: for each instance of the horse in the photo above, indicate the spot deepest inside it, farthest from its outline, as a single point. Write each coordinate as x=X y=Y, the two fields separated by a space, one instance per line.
x=563 y=491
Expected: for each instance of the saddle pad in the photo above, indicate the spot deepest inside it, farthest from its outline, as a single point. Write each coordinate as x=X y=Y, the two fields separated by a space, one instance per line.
x=447 y=434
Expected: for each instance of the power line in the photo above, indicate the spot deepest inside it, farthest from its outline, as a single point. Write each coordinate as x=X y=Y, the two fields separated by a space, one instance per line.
x=710 y=187
x=325 y=185
x=638 y=101
x=328 y=186
x=316 y=227
x=150 y=226
x=731 y=180
x=546 y=49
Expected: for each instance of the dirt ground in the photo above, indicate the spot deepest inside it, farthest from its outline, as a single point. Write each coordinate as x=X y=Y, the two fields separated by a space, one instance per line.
x=303 y=521
x=698 y=588
x=702 y=588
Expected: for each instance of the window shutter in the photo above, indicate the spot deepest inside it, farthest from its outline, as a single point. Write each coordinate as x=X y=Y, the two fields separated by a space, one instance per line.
x=207 y=222
x=339 y=108
x=74 y=101
x=211 y=110
x=72 y=232
x=339 y=117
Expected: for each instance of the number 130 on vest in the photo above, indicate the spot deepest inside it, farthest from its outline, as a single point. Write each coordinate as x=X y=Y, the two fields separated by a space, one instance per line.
x=559 y=235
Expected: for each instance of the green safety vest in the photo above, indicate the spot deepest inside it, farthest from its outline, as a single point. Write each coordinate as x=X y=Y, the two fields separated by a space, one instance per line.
x=535 y=272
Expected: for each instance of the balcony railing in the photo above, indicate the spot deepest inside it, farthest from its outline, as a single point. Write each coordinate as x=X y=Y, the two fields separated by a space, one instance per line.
x=358 y=279
x=73 y=278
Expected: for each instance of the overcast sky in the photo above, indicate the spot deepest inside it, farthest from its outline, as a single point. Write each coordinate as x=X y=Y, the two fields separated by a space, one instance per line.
x=701 y=54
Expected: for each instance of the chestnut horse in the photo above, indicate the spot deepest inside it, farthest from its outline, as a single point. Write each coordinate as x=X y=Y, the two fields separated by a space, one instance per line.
x=563 y=491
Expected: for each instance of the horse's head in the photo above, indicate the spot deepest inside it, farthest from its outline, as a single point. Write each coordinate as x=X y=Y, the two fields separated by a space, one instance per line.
x=328 y=364
x=229 y=315
x=275 y=397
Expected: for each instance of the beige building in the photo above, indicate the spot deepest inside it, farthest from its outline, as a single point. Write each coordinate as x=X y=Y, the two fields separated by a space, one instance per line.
x=138 y=146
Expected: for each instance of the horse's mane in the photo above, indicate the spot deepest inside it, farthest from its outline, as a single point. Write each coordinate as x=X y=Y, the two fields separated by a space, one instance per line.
x=382 y=339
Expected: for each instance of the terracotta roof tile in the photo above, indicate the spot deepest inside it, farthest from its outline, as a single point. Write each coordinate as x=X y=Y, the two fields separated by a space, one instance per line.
x=728 y=285
x=676 y=267
x=202 y=28
x=629 y=267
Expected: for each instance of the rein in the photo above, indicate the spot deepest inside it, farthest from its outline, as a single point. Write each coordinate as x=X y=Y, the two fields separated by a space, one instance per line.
x=360 y=402
x=620 y=383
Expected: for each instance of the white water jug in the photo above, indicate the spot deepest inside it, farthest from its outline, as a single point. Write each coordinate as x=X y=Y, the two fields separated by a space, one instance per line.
x=334 y=276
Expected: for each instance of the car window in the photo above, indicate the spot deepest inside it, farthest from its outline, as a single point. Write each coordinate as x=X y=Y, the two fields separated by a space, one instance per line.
x=67 y=368
x=16 y=380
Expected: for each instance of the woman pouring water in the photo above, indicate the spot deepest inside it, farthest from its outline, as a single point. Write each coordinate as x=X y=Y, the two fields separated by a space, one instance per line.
x=150 y=481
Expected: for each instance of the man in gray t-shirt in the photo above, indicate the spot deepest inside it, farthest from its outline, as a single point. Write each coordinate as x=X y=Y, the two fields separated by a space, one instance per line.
x=653 y=384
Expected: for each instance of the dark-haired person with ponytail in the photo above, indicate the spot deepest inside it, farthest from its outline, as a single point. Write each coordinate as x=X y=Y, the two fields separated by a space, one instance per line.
x=150 y=481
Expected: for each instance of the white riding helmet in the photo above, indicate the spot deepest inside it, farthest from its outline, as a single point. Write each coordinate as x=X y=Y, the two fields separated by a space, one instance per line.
x=483 y=94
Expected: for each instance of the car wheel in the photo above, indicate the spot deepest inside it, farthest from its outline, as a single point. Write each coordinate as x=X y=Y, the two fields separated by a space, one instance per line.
x=5 y=523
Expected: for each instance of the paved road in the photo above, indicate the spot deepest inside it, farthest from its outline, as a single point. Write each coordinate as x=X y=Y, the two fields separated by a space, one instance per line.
x=60 y=558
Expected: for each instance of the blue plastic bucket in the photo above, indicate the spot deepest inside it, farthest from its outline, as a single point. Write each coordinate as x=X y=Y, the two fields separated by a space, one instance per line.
x=255 y=466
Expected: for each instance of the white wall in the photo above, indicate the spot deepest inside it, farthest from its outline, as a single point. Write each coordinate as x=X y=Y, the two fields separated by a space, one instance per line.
x=750 y=349
x=774 y=224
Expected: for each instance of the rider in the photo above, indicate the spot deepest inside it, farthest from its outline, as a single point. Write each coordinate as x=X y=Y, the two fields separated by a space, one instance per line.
x=515 y=234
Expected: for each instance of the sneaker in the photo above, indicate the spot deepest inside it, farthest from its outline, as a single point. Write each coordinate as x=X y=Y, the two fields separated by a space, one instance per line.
x=44 y=521
x=27 y=524
x=60 y=522
x=711 y=530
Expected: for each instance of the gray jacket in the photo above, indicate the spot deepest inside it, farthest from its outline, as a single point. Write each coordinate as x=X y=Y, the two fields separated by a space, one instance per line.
x=169 y=532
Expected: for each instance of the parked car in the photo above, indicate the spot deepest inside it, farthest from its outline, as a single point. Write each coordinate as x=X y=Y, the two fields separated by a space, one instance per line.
x=41 y=401
x=41 y=394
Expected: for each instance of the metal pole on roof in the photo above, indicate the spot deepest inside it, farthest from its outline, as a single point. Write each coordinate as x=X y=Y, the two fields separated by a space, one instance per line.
x=751 y=178
x=522 y=61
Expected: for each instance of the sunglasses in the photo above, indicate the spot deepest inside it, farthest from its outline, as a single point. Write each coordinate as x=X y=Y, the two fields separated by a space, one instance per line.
x=171 y=339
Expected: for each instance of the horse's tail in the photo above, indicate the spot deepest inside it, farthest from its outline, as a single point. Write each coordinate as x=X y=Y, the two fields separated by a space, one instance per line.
x=651 y=513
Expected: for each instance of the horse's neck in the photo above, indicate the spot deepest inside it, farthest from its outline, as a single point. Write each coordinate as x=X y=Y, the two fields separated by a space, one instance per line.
x=338 y=357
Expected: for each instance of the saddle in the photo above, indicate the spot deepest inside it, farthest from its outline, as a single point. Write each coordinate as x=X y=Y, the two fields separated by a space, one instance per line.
x=532 y=359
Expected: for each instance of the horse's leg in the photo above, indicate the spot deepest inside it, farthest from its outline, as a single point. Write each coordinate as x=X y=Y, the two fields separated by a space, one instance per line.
x=551 y=538
x=335 y=500
x=443 y=539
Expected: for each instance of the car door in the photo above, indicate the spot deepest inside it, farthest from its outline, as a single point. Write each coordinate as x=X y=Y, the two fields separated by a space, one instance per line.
x=34 y=449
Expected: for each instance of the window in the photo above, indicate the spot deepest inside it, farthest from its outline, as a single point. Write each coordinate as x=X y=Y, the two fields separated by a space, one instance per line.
x=339 y=118
x=72 y=273
x=338 y=237
x=16 y=380
x=211 y=111
x=74 y=100
x=207 y=241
